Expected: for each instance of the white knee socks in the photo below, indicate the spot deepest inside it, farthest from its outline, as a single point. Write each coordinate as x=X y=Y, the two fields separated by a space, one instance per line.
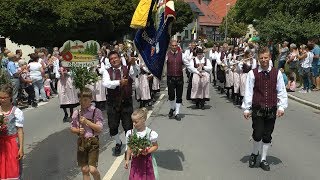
x=117 y=139
x=256 y=147
x=265 y=148
x=172 y=104
x=177 y=108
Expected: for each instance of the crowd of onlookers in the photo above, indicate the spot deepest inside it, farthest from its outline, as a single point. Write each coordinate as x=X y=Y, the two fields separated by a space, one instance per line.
x=33 y=79
x=303 y=65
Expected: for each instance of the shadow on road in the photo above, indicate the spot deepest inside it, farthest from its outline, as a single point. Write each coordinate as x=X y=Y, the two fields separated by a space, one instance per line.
x=271 y=160
x=170 y=159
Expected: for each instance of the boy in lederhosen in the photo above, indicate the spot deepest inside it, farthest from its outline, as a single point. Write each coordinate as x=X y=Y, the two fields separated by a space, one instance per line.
x=87 y=123
x=266 y=96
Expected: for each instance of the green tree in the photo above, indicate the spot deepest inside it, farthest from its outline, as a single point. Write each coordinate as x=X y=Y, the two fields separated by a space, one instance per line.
x=293 y=20
x=184 y=16
x=235 y=29
x=51 y=23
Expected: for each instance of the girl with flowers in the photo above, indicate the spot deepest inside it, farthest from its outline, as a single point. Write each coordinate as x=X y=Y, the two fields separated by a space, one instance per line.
x=11 y=135
x=141 y=143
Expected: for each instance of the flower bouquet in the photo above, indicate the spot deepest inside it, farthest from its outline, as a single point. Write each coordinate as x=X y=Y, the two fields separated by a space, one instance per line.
x=137 y=144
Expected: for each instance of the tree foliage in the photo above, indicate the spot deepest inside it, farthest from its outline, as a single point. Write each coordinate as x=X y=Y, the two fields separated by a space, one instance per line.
x=184 y=16
x=51 y=22
x=235 y=29
x=293 y=20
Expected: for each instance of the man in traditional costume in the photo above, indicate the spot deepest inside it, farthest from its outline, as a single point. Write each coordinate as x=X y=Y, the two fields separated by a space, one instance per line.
x=118 y=80
x=175 y=62
x=266 y=97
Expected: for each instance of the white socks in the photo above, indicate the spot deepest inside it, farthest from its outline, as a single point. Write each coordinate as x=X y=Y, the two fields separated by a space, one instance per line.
x=256 y=147
x=178 y=108
x=117 y=139
x=172 y=105
x=265 y=148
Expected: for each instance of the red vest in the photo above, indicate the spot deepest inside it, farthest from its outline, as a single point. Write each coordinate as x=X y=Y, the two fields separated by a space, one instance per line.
x=127 y=90
x=265 y=88
x=174 y=64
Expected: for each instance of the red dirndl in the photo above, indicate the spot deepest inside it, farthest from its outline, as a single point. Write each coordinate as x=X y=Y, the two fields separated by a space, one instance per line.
x=9 y=163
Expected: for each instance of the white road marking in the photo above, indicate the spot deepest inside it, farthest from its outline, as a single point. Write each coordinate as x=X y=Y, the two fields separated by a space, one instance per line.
x=115 y=165
x=113 y=168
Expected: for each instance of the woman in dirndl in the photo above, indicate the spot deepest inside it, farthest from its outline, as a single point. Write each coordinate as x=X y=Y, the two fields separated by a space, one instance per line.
x=68 y=94
x=200 y=91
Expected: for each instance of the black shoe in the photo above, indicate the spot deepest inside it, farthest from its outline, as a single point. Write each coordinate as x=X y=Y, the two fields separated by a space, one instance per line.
x=198 y=105
x=65 y=119
x=252 y=160
x=117 y=149
x=265 y=165
x=178 y=117
x=171 y=112
x=202 y=106
x=34 y=104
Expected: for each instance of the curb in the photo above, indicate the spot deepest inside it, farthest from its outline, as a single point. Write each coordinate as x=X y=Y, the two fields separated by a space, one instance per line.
x=308 y=103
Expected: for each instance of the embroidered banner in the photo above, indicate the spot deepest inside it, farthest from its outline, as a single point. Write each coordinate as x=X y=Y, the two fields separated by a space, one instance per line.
x=153 y=40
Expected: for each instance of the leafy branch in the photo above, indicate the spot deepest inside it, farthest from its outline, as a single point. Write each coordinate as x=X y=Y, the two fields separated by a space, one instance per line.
x=138 y=144
x=83 y=76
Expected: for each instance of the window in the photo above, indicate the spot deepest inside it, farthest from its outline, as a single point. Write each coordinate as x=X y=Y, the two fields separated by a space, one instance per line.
x=186 y=34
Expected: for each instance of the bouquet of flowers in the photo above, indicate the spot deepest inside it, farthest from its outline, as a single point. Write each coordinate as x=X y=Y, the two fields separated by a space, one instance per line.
x=137 y=144
x=3 y=126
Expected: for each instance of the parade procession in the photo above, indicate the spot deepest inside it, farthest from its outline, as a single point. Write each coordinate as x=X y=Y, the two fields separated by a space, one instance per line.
x=159 y=89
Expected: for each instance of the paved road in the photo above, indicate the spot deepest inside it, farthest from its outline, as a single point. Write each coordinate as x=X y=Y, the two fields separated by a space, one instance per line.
x=214 y=144
x=206 y=144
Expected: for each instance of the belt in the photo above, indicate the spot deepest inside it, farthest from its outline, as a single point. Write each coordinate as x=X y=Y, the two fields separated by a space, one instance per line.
x=267 y=109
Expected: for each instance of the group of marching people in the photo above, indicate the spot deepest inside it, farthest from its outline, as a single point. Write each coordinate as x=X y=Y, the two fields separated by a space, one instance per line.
x=231 y=67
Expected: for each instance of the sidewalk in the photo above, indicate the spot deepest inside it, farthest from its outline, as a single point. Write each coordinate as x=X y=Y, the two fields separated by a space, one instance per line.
x=311 y=99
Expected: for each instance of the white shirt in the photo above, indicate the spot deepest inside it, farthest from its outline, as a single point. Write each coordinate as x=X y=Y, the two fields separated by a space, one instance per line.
x=35 y=71
x=281 y=91
x=307 y=62
x=248 y=62
x=207 y=68
x=108 y=83
x=218 y=58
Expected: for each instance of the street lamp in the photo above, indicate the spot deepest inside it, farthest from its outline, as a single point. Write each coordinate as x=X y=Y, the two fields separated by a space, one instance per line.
x=226 y=29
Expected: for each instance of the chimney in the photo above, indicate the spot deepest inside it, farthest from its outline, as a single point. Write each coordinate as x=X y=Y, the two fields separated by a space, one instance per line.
x=199 y=1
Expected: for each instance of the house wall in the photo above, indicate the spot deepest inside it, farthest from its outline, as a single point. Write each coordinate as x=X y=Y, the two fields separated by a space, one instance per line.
x=26 y=49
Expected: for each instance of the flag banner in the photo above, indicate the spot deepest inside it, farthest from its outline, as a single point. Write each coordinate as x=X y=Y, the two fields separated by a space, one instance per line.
x=140 y=16
x=153 y=40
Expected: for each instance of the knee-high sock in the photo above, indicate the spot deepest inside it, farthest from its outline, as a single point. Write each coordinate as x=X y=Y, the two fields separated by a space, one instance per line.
x=256 y=147
x=117 y=139
x=172 y=104
x=178 y=108
x=265 y=148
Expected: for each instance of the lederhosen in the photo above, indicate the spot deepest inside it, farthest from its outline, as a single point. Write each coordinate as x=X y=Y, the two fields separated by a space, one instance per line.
x=88 y=146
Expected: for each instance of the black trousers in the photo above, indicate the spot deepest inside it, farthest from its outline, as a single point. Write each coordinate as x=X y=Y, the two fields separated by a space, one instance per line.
x=263 y=121
x=31 y=94
x=175 y=88
x=213 y=70
x=118 y=113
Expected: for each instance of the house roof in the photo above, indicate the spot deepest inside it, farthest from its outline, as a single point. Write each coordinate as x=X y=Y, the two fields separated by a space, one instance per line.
x=220 y=6
x=206 y=16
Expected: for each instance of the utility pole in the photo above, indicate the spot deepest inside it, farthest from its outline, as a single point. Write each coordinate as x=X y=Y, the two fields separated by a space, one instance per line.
x=226 y=29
